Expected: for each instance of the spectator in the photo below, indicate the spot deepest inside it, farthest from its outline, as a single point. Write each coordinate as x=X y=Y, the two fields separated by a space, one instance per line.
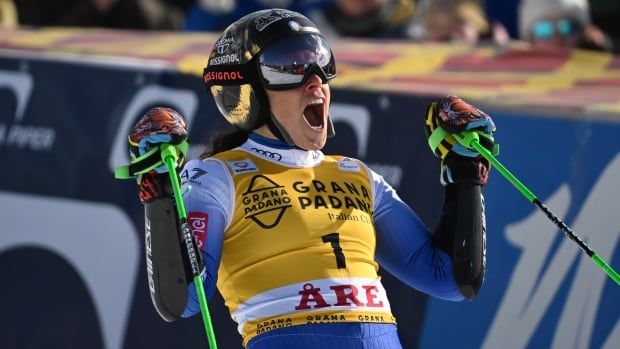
x=605 y=15
x=216 y=15
x=8 y=15
x=118 y=14
x=461 y=20
x=505 y=12
x=559 y=23
x=365 y=18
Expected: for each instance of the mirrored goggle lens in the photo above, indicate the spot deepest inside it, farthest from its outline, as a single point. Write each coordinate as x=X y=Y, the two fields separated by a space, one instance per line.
x=289 y=62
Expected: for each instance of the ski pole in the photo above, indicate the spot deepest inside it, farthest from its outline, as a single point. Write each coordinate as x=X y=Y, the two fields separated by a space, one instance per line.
x=169 y=157
x=471 y=140
x=152 y=159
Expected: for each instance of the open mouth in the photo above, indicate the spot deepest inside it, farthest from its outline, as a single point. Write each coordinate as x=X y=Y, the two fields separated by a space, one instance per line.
x=314 y=115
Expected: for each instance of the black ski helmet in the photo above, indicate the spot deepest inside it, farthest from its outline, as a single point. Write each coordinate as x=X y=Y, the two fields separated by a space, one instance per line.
x=231 y=75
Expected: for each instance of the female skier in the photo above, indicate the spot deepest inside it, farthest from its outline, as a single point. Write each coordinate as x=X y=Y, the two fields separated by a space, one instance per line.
x=293 y=238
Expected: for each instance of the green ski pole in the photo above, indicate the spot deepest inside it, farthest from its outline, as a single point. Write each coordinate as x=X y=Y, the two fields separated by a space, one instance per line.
x=152 y=159
x=471 y=140
x=169 y=157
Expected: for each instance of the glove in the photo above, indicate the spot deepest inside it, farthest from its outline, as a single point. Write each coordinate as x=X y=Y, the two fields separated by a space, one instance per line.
x=151 y=186
x=158 y=125
x=458 y=163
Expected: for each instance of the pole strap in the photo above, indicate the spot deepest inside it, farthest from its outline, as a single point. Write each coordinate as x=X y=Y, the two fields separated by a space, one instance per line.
x=147 y=162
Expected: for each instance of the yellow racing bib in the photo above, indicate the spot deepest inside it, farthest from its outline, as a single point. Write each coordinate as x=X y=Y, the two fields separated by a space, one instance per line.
x=300 y=246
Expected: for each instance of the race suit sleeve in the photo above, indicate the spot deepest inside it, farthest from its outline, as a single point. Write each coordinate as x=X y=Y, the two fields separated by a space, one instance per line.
x=405 y=247
x=207 y=194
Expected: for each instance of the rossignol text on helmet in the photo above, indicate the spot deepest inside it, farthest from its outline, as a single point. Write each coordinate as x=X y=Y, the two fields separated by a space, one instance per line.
x=270 y=49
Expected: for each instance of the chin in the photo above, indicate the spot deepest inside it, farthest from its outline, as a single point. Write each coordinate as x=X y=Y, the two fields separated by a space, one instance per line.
x=319 y=146
x=315 y=144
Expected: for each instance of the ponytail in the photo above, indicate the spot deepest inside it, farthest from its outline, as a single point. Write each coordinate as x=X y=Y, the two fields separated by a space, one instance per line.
x=225 y=140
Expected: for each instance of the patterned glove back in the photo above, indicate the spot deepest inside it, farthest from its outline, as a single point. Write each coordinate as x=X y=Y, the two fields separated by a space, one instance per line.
x=458 y=163
x=158 y=125
x=455 y=115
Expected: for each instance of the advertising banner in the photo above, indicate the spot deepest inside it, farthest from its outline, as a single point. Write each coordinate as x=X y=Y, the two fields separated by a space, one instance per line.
x=71 y=236
x=541 y=290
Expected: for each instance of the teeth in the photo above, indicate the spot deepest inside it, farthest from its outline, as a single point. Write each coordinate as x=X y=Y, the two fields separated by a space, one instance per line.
x=316 y=101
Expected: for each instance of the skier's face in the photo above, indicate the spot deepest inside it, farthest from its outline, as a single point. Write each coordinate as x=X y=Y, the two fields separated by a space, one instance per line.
x=302 y=112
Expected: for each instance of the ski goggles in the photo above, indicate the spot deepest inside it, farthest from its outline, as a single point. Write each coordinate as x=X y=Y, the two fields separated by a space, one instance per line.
x=546 y=29
x=290 y=62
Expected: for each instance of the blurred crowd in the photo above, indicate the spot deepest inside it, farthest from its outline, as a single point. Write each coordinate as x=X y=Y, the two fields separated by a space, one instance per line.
x=588 y=24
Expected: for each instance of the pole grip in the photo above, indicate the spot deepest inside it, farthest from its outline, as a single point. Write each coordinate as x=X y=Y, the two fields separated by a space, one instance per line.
x=167 y=150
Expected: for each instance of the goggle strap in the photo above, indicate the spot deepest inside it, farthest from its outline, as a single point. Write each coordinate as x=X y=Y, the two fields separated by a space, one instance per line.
x=278 y=131
x=331 y=131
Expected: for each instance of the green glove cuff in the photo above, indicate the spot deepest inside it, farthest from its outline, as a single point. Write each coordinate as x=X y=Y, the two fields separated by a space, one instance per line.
x=438 y=135
x=148 y=161
x=465 y=139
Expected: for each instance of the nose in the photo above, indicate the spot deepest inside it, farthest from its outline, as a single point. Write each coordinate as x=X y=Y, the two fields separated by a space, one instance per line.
x=314 y=81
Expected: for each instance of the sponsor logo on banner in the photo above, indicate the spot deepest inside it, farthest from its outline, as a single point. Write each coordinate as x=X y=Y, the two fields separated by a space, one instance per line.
x=27 y=137
x=198 y=224
x=17 y=135
x=242 y=166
